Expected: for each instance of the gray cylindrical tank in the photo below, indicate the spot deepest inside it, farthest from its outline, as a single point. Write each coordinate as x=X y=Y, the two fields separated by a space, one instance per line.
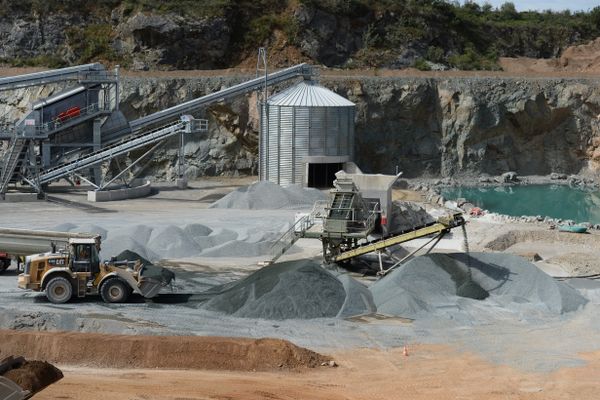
x=304 y=124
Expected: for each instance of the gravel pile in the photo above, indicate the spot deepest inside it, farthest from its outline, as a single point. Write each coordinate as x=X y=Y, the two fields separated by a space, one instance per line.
x=291 y=290
x=435 y=283
x=266 y=195
x=171 y=241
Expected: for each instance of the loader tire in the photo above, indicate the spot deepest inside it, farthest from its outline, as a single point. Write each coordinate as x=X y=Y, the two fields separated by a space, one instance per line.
x=4 y=264
x=114 y=290
x=59 y=290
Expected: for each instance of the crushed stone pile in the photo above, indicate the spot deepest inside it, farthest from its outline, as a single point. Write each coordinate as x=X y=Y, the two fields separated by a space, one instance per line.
x=407 y=215
x=117 y=244
x=150 y=270
x=433 y=284
x=170 y=241
x=291 y=290
x=266 y=195
x=129 y=255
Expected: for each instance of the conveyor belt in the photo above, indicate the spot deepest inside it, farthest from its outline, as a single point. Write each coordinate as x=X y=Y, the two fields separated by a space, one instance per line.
x=436 y=227
x=108 y=153
x=236 y=90
x=79 y=72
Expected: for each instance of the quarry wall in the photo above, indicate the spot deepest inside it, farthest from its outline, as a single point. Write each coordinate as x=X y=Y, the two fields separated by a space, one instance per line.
x=422 y=126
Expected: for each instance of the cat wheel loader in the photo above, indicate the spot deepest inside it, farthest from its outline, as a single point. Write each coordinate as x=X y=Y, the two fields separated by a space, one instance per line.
x=77 y=272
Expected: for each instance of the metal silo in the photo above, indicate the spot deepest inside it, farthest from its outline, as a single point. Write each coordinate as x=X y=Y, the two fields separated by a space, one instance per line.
x=306 y=135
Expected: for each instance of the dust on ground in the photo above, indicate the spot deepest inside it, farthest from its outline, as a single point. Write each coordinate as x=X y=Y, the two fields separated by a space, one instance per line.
x=428 y=372
x=574 y=253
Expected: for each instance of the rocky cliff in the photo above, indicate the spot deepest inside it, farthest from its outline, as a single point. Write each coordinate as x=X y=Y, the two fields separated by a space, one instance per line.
x=467 y=126
x=422 y=126
x=209 y=34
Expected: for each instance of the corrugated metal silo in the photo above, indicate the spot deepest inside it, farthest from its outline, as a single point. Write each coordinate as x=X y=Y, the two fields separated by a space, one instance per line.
x=307 y=133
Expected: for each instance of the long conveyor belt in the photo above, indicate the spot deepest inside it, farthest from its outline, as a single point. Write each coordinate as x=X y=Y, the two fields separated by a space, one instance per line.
x=108 y=153
x=437 y=227
x=77 y=72
x=273 y=78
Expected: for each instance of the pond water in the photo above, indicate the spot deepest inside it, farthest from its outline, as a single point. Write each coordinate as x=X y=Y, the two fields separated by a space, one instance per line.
x=555 y=201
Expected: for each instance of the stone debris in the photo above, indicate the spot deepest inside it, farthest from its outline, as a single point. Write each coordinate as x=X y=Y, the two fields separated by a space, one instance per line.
x=408 y=215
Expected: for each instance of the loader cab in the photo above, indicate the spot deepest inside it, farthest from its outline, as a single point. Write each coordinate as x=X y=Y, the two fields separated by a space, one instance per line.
x=84 y=256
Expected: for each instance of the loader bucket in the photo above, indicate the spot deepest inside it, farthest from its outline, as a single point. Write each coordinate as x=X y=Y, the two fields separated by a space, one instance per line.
x=153 y=278
x=11 y=391
x=32 y=377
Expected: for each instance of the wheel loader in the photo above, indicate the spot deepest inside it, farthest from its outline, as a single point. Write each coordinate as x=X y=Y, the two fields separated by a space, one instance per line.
x=76 y=271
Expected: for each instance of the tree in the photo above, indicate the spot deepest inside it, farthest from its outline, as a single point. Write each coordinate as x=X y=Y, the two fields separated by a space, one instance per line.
x=508 y=10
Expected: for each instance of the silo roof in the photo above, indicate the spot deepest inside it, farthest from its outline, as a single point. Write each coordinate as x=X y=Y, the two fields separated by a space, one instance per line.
x=309 y=94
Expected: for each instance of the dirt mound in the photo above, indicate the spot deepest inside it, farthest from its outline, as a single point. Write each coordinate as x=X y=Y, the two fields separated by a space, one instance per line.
x=583 y=58
x=576 y=264
x=34 y=375
x=174 y=352
x=511 y=238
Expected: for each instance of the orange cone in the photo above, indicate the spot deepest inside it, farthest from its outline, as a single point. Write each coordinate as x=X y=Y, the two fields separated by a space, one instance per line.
x=405 y=352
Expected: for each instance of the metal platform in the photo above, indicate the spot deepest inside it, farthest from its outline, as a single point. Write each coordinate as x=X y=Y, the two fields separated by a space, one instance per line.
x=63 y=133
x=107 y=153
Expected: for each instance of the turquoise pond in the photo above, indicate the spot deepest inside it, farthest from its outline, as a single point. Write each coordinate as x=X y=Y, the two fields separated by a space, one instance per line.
x=555 y=201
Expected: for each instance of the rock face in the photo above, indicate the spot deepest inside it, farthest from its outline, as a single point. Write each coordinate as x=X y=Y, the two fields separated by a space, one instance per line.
x=425 y=126
x=464 y=126
x=224 y=34
x=173 y=41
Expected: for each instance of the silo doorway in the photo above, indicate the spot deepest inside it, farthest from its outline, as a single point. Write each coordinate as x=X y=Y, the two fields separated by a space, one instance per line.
x=322 y=175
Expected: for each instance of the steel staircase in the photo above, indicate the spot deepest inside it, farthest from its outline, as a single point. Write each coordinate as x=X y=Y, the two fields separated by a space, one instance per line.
x=296 y=232
x=12 y=161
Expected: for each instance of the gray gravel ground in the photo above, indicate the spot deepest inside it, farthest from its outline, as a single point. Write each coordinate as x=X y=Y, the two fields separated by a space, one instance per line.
x=519 y=338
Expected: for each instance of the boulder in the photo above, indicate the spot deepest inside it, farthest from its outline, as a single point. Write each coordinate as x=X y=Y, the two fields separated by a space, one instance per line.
x=509 y=177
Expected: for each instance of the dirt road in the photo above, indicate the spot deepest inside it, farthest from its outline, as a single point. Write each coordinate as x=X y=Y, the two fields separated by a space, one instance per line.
x=429 y=372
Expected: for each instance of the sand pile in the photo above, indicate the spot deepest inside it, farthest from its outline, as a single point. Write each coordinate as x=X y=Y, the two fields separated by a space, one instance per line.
x=175 y=352
x=291 y=290
x=266 y=195
x=436 y=283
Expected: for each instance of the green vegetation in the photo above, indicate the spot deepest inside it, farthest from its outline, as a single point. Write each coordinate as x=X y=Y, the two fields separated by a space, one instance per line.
x=358 y=33
x=92 y=42
x=421 y=64
x=192 y=8
x=37 y=61
x=466 y=36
